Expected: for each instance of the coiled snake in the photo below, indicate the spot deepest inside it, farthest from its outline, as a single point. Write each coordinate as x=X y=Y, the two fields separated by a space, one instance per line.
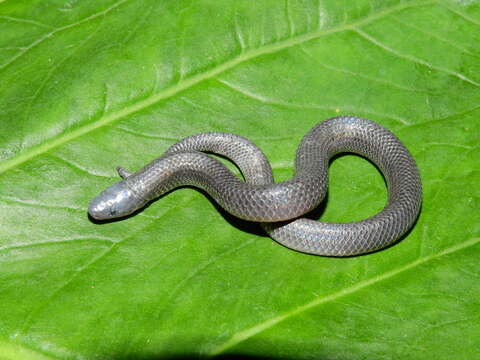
x=278 y=206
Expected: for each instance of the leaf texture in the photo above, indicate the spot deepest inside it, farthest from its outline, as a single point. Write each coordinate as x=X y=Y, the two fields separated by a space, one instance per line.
x=88 y=85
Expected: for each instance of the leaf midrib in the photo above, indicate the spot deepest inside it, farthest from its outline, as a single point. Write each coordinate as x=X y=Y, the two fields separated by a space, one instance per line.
x=192 y=81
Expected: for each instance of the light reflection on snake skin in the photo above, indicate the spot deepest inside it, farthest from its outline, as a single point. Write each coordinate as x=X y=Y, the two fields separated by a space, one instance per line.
x=278 y=205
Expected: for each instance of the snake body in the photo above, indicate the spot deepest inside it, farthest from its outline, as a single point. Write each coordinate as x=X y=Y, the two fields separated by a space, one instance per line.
x=278 y=206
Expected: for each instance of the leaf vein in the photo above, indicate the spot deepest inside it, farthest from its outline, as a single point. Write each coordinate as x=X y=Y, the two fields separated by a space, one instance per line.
x=144 y=135
x=267 y=324
x=193 y=80
x=445 y=118
x=413 y=58
x=72 y=164
x=31 y=316
x=462 y=15
x=37 y=204
x=195 y=272
x=360 y=75
x=336 y=109
x=26 y=21
x=434 y=36
x=60 y=29
x=54 y=242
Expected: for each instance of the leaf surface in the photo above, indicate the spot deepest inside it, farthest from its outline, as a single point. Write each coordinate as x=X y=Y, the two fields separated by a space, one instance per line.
x=88 y=85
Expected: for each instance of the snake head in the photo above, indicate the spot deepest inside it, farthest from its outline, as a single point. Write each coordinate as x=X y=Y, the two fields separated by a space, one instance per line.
x=116 y=201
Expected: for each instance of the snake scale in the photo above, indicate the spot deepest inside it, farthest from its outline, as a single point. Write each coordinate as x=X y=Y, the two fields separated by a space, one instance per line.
x=279 y=206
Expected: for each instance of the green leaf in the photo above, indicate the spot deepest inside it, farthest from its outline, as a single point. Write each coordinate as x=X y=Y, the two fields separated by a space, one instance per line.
x=88 y=85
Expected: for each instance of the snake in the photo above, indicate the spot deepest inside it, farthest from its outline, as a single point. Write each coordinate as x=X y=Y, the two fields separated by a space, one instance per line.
x=280 y=206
